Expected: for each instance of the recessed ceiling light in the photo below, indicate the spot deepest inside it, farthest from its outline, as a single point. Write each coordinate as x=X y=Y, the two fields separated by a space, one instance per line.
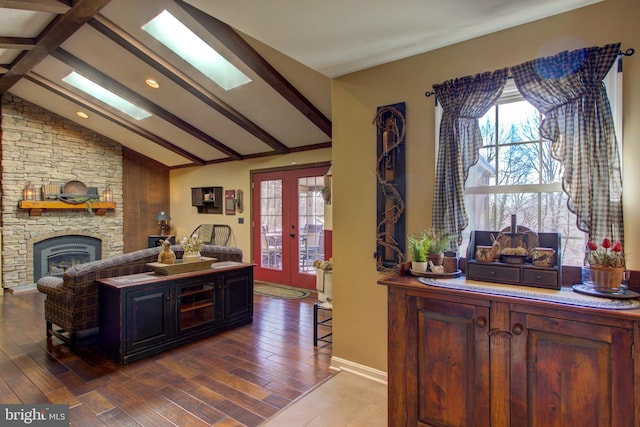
x=82 y=114
x=91 y=88
x=181 y=40
x=152 y=83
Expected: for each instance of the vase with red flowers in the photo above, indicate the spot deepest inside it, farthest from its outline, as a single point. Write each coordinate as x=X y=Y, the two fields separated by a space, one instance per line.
x=606 y=270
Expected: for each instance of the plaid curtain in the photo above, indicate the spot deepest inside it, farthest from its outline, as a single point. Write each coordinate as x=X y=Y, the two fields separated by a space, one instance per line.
x=464 y=101
x=567 y=89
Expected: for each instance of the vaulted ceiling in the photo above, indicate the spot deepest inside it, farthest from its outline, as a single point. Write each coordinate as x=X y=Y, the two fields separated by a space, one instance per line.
x=289 y=49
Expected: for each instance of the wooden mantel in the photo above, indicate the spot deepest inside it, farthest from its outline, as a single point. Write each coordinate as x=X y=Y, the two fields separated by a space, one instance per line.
x=36 y=207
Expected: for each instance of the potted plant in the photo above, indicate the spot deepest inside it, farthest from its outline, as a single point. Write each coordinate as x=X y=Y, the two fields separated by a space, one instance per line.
x=606 y=269
x=191 y=246
x=418 y=247
x=439 y=241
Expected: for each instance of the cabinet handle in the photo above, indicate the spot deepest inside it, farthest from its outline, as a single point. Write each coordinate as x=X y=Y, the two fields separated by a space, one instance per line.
x=481 y=322
x=517 y=329
x=493 y=273
x=496 y=331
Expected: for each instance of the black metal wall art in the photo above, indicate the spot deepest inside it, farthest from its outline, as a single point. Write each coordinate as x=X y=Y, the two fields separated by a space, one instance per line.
x=390 y=123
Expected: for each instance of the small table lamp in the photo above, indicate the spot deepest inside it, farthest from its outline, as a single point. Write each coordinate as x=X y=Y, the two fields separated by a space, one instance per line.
x=163 y=219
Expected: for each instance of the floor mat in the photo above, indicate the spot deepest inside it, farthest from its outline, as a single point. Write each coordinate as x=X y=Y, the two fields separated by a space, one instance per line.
x=279 y=291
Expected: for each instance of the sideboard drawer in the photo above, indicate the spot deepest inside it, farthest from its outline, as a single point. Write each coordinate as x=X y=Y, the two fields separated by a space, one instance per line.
x=540 y=278
x=493 y=273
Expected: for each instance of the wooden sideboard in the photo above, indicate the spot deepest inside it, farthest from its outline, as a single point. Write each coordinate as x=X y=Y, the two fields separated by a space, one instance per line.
x=460 y=358
x=144 y=314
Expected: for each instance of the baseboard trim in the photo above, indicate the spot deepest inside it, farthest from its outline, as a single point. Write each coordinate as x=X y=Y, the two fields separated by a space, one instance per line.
x=21 y=288
x=339 y=364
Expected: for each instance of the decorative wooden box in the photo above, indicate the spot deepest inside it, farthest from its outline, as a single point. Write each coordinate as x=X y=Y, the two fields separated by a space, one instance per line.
x=525 y=274
x=181 y=267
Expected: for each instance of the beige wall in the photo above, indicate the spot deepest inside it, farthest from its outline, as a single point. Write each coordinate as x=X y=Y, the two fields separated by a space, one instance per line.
x=230 y=176
x=360 y=319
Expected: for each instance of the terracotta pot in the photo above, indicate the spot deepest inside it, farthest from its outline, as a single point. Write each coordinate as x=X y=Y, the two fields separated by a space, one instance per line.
x=436 y=259
x=606 y=279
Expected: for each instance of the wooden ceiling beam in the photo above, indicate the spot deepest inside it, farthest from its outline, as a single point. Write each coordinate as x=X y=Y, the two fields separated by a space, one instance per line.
x=247 y=54
x=48 y=6
x=21 y=43
x=57 y=32
x=67 y=94
x=107 y=82
x=133 y=46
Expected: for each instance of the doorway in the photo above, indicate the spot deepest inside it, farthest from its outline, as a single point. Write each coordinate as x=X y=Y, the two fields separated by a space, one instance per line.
x=288 y=225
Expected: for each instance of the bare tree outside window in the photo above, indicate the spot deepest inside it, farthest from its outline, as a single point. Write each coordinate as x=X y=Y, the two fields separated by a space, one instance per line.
x=516 y=174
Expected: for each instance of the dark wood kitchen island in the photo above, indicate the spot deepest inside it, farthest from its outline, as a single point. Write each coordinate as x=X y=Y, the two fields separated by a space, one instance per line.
x=144 y=314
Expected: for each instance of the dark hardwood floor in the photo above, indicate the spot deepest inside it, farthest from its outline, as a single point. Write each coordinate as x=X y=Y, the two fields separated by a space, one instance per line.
x=239 y=377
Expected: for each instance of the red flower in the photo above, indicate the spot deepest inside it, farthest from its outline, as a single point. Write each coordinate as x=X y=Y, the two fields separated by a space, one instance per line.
x=608 y=255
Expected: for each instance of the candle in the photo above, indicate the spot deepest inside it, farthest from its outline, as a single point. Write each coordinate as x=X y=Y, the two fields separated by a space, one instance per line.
x=107 y=195
x=513 y=224
x=29 y=192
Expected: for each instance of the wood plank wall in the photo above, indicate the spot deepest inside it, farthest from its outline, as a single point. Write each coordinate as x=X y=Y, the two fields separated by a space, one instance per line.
x=145 y=185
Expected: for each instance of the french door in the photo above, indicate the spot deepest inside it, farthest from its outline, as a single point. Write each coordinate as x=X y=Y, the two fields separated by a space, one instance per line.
x=288 y=225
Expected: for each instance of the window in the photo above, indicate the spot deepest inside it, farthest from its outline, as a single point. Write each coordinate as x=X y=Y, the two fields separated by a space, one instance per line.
x=516 y=174
x=172 y=33
x=102 y=94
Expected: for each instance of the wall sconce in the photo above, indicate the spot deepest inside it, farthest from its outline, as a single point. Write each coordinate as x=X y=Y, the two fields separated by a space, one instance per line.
x=29 y=192
x=163 y=219
x=107 y=195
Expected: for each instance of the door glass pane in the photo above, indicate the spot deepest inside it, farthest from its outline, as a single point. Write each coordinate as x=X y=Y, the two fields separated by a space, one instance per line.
x=310 y=222
x=271 y=224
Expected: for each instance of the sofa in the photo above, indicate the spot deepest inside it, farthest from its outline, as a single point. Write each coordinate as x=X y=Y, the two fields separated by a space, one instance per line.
x=71 y=301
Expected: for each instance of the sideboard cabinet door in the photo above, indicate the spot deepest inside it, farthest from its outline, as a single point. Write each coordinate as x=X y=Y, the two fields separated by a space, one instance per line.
x=570 y=373
x=453 y=364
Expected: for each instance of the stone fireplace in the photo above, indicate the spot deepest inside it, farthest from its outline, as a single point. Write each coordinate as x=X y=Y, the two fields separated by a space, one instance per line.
x=41 y=148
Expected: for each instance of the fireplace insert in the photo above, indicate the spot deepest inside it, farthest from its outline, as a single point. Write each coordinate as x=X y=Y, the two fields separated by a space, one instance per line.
x=52 y=257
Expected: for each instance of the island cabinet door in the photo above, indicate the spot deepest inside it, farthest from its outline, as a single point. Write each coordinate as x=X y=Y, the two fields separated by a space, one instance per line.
x=571 y=373
x=237 y=295
x=148 y=317
x=453 y=364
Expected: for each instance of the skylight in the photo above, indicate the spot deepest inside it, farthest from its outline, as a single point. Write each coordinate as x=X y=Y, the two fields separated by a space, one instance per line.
x=181 y=40
x=84 y=84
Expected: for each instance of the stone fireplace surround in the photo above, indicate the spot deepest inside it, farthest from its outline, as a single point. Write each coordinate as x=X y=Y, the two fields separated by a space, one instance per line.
x=43 y=148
